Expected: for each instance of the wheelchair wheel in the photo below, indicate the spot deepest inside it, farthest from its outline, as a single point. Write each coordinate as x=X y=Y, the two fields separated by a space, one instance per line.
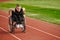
x=24 y=28
x=11 y=27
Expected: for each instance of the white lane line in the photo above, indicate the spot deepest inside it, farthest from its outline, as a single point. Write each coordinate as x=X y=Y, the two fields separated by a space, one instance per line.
x=10 y=33
x=44 y=32
x=38 y=30
x=3 y=16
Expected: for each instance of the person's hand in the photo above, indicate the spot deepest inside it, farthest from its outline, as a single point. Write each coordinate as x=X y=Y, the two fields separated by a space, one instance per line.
x=24 y=16
x=9 y=16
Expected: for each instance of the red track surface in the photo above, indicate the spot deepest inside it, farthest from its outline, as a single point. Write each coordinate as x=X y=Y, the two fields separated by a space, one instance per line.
x=35 y=30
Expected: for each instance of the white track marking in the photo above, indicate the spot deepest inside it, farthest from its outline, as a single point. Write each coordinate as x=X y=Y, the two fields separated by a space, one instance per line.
x=10 y=33
x=38 y=29
x=3 y=16
x=44 y=32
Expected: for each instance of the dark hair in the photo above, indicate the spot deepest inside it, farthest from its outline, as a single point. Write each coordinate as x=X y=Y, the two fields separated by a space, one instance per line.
x=17 y=5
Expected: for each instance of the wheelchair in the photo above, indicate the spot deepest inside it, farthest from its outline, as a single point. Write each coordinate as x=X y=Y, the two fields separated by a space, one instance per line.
x=12 y=26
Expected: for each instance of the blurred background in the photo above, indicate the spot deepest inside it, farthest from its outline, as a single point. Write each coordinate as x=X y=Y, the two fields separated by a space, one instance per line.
x=45 y=10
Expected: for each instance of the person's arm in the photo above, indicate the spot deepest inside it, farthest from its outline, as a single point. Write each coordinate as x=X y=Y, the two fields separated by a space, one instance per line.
x=10 y=12
x=24 y=11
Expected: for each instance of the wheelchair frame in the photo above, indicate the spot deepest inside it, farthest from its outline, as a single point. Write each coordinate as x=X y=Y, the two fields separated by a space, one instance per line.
x=12 y=27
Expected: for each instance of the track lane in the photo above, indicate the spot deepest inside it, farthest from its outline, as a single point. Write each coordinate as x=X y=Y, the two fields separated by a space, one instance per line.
x=30 y=34
x=5 y=36
x=45 y=26
x=36 y=36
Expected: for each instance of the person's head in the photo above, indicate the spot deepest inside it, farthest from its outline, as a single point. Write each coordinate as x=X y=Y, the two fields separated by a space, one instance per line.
x=18 y=7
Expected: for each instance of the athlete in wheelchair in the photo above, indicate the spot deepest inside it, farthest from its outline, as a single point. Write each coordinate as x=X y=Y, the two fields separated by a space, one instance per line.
x=16 y=16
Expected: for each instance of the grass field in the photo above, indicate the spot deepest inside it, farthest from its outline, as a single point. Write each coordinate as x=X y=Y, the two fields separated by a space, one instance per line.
x=46 y=10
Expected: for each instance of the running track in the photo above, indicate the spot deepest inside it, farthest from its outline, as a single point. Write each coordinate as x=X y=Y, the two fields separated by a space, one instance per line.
x=35 y=30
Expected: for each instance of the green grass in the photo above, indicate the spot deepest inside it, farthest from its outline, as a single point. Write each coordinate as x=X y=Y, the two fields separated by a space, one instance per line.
x=35 y=10
x=42 y=3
